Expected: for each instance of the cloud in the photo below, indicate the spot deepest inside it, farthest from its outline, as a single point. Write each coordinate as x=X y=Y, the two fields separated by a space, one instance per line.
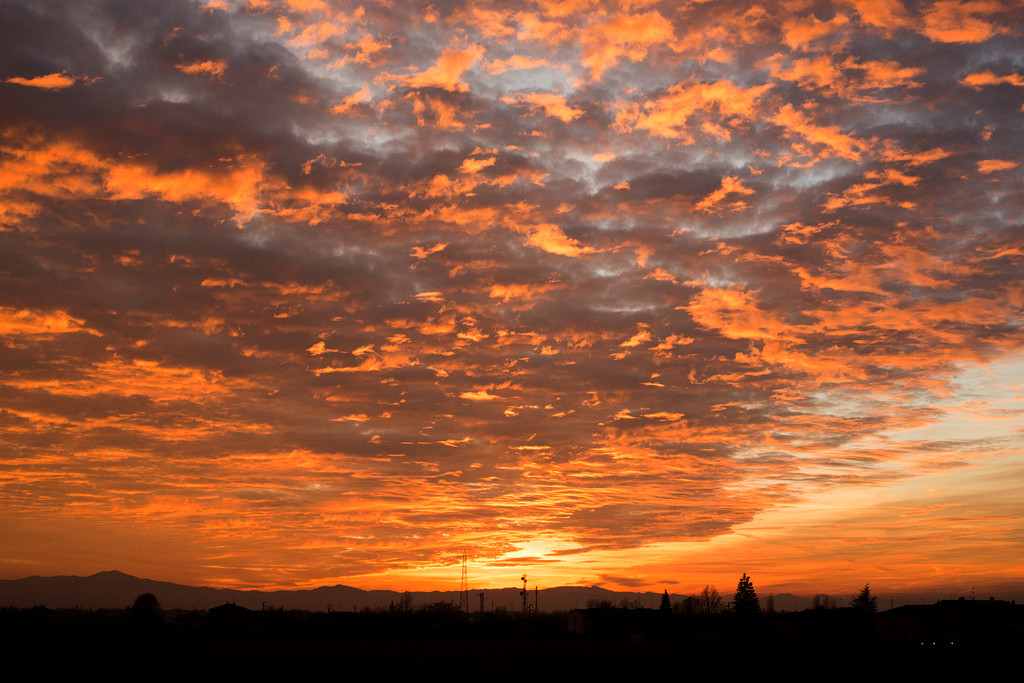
x=829 y=138
x=667 y=116
x=800 y=32
x=605 y=43
x=549 y=103
x=54 y=81
x=447 y=71
x=731 y=185
x=994 y=165
x=572 y=282
x=950 y=21
x=981 y=79
x=213 y=69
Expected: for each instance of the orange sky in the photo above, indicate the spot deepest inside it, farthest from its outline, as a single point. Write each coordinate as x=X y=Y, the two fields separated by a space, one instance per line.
x=640 y=294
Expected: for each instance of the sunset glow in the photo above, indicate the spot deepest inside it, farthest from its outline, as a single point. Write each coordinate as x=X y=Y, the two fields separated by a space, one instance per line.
x=640 y=294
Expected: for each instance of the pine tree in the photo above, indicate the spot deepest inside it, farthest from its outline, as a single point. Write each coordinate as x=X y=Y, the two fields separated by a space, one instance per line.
x=666 y=603
x=745 y=602
x=865 y=600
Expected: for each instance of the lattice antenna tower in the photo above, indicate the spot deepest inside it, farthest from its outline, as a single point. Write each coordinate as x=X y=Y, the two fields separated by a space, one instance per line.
x=464 y=589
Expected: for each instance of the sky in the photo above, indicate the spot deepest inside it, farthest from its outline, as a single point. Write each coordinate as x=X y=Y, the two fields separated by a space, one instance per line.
x=640 y=294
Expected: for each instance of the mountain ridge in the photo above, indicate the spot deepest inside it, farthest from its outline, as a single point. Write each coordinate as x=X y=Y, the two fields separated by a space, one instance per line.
x=114 y=589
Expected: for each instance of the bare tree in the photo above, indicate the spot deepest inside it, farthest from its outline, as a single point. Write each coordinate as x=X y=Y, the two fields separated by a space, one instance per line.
x=709 y=602
x=687 y=606
x=822 y=601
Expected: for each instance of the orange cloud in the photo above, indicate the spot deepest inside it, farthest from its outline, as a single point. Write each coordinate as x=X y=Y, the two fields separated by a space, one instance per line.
x=799 y=32
x=551 y=104
x=368 y=50
x=550 y=238
x=448 y=70
x=995 y=165
x=893 y=153
x=885 y=74
x=317 y=33
x=668 y=116
x=981 y=79
x=952 y=21
x=350 y=102
x=516 y=292
x=731 y=185
x=421 y=253
x=306 y=5
x=158 y=382
x=213 y=69
x=884 y=14
x=734 y=312
x=54 y=81
x=238 y=186
x=831 y=138
x=58 y=169
x=626 y=35
x=822 y=73
x=810 y=73
x=863 y=193
x=24 y=322
x=514 y=63
x=445 y=114
x=482 y=395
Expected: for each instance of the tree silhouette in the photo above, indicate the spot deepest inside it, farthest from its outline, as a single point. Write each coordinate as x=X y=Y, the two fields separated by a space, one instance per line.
x=708 y=601
x=745 y=602
x=146 y=605
x=666 y=603
x=865 y=600
x=822 y=601
x=145 y=613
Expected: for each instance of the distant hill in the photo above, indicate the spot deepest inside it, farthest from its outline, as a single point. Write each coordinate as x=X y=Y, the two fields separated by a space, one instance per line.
x=114 y=589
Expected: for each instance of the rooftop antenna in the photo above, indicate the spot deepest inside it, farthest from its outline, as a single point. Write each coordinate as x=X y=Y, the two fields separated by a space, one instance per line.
x=464 y=589
x=525 y=593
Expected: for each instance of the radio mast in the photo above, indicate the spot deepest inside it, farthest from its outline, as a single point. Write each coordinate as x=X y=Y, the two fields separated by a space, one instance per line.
x=464 y=589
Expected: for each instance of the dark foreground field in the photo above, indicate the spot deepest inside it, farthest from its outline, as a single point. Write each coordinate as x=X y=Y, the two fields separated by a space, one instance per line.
x=614 y=645
x=465 y=660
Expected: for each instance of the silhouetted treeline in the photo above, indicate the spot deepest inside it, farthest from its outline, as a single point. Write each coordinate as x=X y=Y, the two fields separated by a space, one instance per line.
x=607 y=641
x=988 y=624
x=144 y=620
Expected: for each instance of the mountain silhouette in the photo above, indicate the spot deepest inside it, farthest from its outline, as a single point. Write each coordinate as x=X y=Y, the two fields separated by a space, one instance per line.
x=115 y=589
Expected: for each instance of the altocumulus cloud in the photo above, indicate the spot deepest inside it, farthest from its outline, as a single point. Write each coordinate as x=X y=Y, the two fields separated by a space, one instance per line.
x=336 y=287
